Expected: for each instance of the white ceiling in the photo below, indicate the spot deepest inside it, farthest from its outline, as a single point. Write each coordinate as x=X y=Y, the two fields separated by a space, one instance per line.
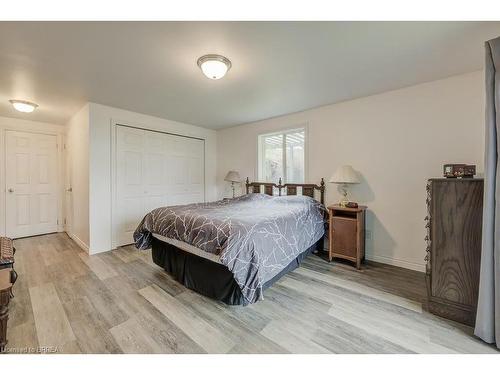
x=278 y=67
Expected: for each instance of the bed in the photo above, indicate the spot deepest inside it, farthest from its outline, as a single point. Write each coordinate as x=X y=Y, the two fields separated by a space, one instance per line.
x=233 y=249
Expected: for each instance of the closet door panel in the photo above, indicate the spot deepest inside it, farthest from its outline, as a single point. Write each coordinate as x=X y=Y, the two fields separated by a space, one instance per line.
x=130 y=186
x=156 y=183
x=154 y=170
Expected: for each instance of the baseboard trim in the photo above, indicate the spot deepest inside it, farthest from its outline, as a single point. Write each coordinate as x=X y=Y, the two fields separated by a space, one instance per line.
x=78 y=241
x=100 y=251
x=420 y=267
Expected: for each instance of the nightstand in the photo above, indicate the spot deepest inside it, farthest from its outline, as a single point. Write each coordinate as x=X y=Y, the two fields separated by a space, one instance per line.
x=347 y=233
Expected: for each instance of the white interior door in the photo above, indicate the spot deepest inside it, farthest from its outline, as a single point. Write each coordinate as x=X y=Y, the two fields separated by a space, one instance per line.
x=153 y=170
x=31 y=184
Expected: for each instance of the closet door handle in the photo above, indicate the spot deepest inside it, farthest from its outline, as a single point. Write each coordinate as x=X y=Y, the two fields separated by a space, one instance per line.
x=11 y=190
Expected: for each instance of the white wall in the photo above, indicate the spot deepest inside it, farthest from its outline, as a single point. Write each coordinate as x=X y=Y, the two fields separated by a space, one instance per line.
x=396 y=140
x=77 y=149
x=7 y=123
x=102 y=120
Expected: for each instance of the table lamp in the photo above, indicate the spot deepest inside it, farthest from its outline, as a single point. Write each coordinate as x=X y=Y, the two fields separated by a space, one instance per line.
x=232 y=177
x=345 y=176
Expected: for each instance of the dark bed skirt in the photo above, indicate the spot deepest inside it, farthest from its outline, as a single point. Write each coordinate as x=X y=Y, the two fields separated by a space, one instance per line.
x=208 y=278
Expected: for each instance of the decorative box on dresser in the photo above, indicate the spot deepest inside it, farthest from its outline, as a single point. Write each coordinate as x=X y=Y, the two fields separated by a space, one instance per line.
x=454 y=225
x=347 y=233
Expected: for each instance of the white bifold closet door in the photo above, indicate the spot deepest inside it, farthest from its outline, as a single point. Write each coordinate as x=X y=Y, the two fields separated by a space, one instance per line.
x=154 y=169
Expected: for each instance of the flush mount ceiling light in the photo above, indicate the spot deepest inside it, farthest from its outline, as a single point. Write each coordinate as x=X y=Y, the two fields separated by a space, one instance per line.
x=214 y=66
x=23 y=106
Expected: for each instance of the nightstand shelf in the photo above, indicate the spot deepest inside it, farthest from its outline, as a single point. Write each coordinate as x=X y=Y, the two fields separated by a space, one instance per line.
x=347 y=233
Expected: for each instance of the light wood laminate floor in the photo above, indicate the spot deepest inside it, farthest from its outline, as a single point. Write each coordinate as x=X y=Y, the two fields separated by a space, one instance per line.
x=120 y=302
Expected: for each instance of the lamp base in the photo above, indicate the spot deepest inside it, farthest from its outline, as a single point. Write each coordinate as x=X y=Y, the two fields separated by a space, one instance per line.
x=343 y=202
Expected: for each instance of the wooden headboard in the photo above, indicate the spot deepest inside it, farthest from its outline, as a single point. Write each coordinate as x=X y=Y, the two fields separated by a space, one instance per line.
x=290 y=189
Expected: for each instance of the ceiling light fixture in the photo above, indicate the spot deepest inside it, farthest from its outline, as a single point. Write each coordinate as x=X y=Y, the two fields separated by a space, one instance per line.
x=23 y=105
x=214 y=66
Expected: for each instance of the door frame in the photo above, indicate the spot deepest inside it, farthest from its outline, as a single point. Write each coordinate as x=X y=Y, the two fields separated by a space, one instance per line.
x=3 y=177
x=114 y=195
x=67 y=187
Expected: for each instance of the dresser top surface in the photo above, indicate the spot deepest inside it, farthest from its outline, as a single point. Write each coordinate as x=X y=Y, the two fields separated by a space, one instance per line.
x=456 y=179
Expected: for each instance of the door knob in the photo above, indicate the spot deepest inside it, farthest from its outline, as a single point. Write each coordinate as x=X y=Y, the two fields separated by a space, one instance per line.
x=69 y=190
x=11 y=190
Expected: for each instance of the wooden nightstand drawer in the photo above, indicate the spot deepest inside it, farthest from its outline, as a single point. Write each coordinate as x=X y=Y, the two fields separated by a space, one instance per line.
x=344 y=236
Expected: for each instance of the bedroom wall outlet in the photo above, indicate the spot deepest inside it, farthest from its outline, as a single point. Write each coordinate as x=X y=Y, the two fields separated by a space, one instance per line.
x=368 y=234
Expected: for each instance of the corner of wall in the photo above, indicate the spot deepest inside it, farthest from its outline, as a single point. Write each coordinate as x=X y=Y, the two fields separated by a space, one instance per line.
x=77 y=139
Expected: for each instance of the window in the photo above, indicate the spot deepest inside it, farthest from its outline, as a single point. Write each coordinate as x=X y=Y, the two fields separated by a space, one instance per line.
x=282 y=155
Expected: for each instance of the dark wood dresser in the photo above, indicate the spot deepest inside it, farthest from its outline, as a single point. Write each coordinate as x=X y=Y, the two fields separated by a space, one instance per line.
x=454 y=225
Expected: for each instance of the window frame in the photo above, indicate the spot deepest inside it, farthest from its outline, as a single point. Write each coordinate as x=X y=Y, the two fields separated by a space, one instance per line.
x=260 y=150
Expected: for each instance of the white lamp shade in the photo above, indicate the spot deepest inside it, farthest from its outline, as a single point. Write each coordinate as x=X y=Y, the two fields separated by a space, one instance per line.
x=345 y=175
x=232 y=176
